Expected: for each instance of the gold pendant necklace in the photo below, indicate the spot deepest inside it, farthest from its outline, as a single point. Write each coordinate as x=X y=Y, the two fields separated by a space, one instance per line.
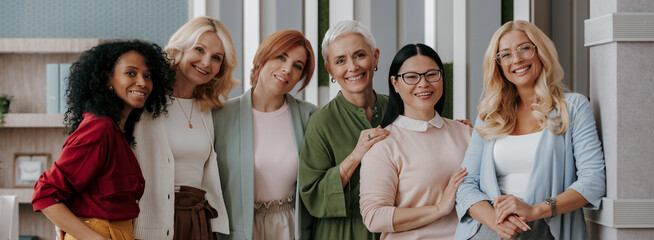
x=187 y=117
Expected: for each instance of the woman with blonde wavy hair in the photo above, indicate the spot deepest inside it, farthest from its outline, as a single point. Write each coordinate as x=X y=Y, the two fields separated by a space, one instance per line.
x=534 y=158
x=176 y=153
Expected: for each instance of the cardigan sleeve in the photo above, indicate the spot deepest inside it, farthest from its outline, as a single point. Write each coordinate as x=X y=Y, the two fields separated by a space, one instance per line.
x=469 y=191
x=379 y=180
x=320 y=183
x=587 y=150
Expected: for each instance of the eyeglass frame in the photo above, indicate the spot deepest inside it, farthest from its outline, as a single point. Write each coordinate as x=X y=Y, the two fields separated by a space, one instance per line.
x=499 y=61
x=421 y=75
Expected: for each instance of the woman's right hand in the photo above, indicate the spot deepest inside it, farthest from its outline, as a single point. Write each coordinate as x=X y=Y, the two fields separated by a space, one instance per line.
x=448 y=198
x=510 y=227
x=367 y=138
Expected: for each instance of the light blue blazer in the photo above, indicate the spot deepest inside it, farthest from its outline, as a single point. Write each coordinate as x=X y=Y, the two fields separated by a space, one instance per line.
x=234 y=146
x=573 y=160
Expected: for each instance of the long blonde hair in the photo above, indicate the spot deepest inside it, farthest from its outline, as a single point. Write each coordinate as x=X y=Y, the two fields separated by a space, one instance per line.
x=500 y=97
x=211 y=94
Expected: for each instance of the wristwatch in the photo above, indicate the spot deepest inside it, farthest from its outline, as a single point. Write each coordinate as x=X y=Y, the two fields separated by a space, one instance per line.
x=552 y=202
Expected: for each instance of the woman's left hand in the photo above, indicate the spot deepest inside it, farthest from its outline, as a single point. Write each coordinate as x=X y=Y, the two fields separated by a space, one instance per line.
x=464 y=121
x=506 y=205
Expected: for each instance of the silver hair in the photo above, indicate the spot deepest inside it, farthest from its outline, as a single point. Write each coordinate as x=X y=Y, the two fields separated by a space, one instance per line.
x=343 y=27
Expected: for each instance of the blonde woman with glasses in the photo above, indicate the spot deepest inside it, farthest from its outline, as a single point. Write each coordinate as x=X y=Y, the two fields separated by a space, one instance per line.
x=534 y=158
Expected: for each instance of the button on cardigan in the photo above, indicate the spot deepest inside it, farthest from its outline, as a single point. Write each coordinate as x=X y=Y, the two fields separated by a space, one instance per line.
x=153 y=152
x=573 y=160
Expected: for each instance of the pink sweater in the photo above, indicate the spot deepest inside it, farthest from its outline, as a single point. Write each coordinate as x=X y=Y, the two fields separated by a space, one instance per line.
x=411 y=168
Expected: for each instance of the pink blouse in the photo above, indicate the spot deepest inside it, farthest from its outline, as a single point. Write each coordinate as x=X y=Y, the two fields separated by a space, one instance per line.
x=411 y=168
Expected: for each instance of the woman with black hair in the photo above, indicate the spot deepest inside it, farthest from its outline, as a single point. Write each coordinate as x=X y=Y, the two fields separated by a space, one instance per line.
x=92 y=190
x=409 y=179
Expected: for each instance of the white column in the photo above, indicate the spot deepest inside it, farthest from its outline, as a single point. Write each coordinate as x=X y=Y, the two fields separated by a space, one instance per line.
x=430 y=24
x=444 y=21
x=196 y=8
x=460 y=58
x=251 y=38
x=522 y=10
x=267 y=19
x=339 y=10
x=311 y=33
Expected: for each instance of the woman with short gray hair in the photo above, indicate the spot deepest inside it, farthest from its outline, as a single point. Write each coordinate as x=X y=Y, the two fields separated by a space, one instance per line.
x=340 y=133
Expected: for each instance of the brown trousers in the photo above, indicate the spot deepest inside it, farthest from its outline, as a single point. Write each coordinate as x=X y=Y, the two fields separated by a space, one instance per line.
x=192 y=215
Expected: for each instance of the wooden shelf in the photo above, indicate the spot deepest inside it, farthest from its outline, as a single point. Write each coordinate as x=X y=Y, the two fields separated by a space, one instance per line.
x=47 y=45
x=33 y=120
x=24 y=194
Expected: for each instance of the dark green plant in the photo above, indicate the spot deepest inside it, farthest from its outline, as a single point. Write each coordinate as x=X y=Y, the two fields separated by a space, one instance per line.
x=323 y=25
x=4 y=102
x=507 y=11
x=4 y=106
x=448 y=111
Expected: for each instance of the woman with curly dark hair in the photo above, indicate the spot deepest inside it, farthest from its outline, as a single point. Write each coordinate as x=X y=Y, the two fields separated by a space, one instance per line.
x=92 y=190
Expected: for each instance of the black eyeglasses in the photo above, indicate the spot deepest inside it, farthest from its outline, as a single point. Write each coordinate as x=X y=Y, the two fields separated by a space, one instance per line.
x=413 y=78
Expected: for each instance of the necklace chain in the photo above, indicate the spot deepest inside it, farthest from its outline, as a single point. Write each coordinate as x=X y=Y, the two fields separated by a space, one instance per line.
x=188 y=118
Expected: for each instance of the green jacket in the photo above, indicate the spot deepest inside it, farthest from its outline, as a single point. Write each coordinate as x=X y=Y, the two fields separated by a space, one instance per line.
x=331 y=136
x=234 y=146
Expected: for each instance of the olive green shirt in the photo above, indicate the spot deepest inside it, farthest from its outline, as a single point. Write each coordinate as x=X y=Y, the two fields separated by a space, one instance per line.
x=331 y=135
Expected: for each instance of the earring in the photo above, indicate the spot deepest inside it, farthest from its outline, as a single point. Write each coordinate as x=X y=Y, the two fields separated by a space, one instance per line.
x=376 y=68
x=333 y=81
x=111 y=88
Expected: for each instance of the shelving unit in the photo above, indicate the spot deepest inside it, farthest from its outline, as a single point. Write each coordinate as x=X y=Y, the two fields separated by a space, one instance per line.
x=27 y=127
x=47 y=45
x=33 y=120
x=24 y=194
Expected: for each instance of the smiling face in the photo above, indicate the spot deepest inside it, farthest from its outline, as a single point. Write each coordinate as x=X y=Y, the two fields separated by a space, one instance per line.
x=201 y=62
x=419 y=99
x=351 y=62
x=521 y=72
x=280 y=74
x=131 y=80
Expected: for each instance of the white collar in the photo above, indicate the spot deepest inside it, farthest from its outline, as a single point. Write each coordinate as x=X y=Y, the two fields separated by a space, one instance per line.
x=418 y=125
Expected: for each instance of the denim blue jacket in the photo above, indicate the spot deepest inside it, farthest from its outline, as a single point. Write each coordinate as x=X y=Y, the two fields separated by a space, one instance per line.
x=573 y=160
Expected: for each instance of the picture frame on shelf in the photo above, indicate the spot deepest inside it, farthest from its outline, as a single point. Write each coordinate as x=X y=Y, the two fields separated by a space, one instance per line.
x=28 y=168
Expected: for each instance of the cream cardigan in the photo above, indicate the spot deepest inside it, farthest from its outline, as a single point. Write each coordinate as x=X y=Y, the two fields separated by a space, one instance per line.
x=156 y=219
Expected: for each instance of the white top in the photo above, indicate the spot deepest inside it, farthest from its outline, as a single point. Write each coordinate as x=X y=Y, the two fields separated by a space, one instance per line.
x=190 y=146
x=157 y=216
x=514 y=158
x=275 y=155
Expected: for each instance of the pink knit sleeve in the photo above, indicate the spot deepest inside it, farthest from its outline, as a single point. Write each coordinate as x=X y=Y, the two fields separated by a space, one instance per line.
x=379 y=180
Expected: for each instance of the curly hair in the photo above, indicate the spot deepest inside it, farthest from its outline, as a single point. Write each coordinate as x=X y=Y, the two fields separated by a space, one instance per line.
x=89 y=76
x=210 y=95
x=497 y=108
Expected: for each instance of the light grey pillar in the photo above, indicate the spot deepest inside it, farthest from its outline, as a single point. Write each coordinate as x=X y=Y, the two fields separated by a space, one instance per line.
x=383 y=25
x=620 y=35
x=484 y=19
x=231 y=16
x=290 y=16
